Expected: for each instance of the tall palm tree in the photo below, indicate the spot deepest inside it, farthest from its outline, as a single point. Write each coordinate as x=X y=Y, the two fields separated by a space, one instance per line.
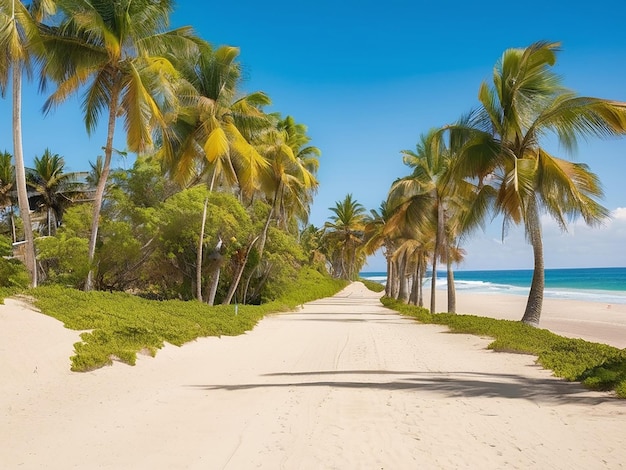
x=212 y=132
x=426 y=193
x=55 y=189
x=216 y=123
x=526 y=102
x=118 y=53
x=344 y=237
x=287 y=183
x=19 y=43
x=289 y=180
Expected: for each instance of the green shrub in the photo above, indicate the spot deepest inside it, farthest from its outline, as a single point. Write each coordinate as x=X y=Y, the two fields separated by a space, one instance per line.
x=122 y=324
x=596 y=366
x=372 y=285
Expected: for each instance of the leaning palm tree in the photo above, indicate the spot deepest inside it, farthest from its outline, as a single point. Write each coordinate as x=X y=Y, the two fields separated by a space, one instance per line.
x=19 y=43
x=118 y=53
x=526 y=102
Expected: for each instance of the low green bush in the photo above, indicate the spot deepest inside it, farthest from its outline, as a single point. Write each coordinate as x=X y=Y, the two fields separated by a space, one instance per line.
x=596 y=366
x=120 y=325
x=372 y=285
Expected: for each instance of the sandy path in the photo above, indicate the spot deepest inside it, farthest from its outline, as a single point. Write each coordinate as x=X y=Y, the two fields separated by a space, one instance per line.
x=341 y=384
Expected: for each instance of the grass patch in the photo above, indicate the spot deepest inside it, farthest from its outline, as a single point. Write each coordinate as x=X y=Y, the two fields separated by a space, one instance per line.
x=372 y=285
x=120 y=325
x=597 y=366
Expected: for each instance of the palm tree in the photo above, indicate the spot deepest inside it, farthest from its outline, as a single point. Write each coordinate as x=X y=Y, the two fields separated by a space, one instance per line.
x=19 y=42
x=525 y=103
x=287 y=183
x=344 y=238
x=378 y=234
x=212 y=132
x=118 y=52
x=55 y=189
x=289 y=180
x=424 y=195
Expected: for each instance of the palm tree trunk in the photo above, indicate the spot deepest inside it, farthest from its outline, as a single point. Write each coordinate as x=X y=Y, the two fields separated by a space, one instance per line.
x=20 y=175
x=215 y=280
x=420 y=285
x=389 y=275
x=237 y=279
x=215 y=277
x=99 y=196
x=422 y=273
x=413 y=299
x=403 y=294
x=532 y=314
x=451 y=288
x=266 y=227
x=13 y=232
x=394 y=280
x=438 y=237
x=199 y=253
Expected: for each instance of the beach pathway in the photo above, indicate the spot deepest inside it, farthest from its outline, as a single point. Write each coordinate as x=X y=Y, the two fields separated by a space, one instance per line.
x=343 y=383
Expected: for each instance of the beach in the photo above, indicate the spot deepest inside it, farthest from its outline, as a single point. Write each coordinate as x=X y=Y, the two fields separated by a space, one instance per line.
x=593 y=321
x=340 y=383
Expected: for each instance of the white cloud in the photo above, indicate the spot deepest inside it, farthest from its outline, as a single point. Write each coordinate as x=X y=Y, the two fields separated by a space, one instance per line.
x=579 y=246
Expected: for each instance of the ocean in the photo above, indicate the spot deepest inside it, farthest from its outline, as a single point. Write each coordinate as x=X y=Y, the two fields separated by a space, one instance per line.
x=607 y=285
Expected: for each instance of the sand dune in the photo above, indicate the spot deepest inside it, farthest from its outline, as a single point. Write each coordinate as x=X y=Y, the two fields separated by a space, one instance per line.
x=343 y=383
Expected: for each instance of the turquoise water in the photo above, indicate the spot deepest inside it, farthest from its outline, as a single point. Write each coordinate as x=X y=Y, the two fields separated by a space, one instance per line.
x=606 y=285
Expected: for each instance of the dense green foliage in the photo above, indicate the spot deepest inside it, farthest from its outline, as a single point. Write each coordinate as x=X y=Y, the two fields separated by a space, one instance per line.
x=597 y=366
x=12 y=272
x=121 y=325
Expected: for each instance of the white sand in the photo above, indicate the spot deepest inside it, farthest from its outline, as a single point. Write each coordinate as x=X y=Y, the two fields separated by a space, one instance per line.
x=341 y=384
x=592 y=321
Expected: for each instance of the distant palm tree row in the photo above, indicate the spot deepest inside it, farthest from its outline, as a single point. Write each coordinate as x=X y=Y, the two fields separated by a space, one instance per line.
x=493 y=161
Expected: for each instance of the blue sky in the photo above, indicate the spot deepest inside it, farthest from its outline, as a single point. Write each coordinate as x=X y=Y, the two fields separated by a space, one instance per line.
x=368 y=78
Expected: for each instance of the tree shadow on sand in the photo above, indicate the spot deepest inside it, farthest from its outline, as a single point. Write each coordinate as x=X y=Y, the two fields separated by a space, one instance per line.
x=450 y=384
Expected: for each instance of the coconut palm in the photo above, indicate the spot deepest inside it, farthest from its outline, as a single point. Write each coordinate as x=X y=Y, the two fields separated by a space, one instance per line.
x=19 y=43
x=525 y=103
x=379 y=235
x=289 y=180
x=211 y=135
x=343 y=238
x=54 y=189
x=213 y=129
x=423 y=196
x=288 y=183
x=118 y=53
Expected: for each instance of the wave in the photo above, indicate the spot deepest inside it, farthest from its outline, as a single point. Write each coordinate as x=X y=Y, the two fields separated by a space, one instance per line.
x=486 y=287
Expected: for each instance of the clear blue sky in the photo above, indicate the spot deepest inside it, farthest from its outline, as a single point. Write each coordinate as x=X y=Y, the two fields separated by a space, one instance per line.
x=368 y=78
